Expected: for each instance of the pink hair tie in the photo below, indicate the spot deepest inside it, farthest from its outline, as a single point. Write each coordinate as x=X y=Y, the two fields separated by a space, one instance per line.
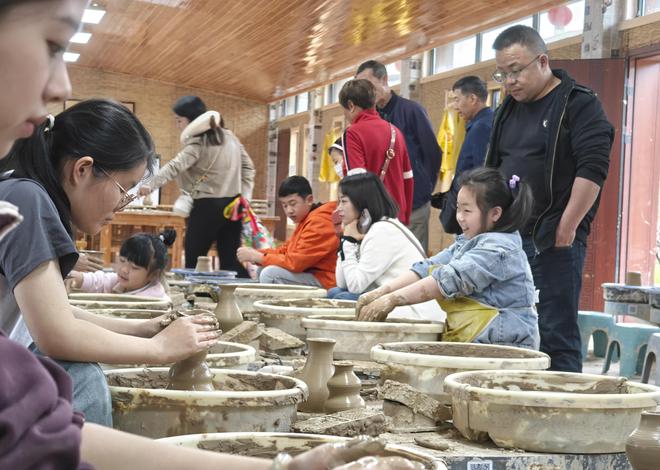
x=513 y=182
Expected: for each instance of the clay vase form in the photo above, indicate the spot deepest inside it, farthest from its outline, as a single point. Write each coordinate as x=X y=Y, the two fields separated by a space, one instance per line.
x=192 y=373
x=316 y=373
x=204 y=264
x=344 y=387
x=147 y=201
x=643 y=445
x=227 y=311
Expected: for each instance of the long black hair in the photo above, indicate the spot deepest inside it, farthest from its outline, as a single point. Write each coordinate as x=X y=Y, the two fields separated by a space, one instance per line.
x=367 y=191
x=102 y=129
x=491 y=189
x=148 y=251
x=191 y=107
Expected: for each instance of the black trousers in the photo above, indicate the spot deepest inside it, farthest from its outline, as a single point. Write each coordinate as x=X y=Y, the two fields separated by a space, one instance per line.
x=207 y=224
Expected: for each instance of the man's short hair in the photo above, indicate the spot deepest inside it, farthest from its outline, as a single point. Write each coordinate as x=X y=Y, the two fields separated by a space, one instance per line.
x=472 y=85
x=376 y=67
x=523 y=35
x=295 y=185
x=360 y=92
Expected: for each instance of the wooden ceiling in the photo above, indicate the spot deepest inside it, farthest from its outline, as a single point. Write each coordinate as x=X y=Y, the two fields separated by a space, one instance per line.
x=267 y=49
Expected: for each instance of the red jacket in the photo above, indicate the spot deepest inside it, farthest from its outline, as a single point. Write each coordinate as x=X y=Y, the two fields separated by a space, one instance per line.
x=365 y=143
x=312 y=248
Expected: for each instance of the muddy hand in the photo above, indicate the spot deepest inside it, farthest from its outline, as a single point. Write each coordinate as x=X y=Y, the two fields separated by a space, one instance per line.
x=184 y=337
x=378 y=309
x=333 y=455
x=87 y=263
x=369 y=297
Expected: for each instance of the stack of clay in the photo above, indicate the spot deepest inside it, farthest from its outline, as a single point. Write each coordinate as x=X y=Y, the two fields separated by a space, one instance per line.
x=409 y=409
x=264 y=338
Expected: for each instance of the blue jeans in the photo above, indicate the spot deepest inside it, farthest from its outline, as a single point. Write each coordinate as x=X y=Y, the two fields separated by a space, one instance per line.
x=558 y=277
x=91 y=394
x=342 y=294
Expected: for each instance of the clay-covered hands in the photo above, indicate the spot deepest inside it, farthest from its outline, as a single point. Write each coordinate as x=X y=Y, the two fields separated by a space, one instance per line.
x=382 y=463
x=337 y=454
x=368 y=297
x=379 y=309
x=87 y=263
x=186 y=336
x=249 y=255
x=145 y=190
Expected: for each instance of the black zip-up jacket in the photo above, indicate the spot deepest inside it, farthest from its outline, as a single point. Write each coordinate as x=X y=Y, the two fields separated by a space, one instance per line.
x=579 y=142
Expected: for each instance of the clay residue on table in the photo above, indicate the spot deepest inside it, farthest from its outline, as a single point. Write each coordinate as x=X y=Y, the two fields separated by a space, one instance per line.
x=461 y=350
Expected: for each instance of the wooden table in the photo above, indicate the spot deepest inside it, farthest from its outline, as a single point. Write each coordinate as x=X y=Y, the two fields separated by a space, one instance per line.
x=158 y=219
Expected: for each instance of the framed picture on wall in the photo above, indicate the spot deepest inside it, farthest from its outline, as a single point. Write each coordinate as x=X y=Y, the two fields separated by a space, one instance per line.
x=129 y=104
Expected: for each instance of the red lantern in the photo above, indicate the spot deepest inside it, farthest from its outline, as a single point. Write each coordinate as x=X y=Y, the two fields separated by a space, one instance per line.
x=560 y=16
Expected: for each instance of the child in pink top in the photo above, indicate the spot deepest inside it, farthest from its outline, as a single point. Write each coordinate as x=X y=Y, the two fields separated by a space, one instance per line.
x=139 y=271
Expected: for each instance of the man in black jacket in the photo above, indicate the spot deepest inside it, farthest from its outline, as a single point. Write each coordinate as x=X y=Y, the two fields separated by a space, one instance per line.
x=554 y=134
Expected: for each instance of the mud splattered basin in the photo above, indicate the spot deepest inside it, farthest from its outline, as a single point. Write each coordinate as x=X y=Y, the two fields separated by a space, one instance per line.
x=356 y=338
x=247 y=294
x=621 y=299
x=120 y=301
x=134 y=313
x=287 y=314
x=223 y=355
x=543 y=411
x=424 y=365
x=243 y=401
x=269 y=444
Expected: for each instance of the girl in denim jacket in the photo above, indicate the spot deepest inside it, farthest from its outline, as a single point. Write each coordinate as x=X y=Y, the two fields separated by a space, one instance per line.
x=483 y=281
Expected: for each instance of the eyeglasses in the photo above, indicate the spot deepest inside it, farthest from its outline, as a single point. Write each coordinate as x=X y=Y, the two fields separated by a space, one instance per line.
x=501 y=77
x=126 y=198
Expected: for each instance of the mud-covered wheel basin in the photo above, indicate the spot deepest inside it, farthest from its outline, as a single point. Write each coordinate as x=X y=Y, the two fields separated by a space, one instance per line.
x=424 y=365
x=267 y=445
x=543 y=411
x=248 y=293
x=223 y=355
x=354 y=339
x=287 y=314
x=243 y=401
x=133 y=313
x=118 y=301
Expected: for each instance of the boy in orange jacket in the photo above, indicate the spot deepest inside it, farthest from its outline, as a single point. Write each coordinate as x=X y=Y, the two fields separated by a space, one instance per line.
x=310 y=255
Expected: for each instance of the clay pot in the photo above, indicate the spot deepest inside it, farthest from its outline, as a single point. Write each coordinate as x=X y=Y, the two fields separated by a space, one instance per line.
x=643 y=445
x=316 y=373
x=192 y=373
x=204 y=264
x=227 y=311
x=344 y=387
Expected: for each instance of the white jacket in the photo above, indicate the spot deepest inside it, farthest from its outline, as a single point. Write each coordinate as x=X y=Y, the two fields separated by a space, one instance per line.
x=384 y=254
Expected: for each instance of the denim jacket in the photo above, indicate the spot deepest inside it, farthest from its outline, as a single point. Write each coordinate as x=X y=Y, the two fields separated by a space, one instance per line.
x=492 y=269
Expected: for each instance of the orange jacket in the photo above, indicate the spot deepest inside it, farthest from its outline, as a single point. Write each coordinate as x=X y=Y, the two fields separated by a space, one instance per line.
x=312 y=247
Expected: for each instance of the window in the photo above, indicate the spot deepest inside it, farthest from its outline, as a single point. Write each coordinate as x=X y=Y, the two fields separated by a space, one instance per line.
x=302 y=102
x=290 y=106
x=336 y=88
x=550 y=32
x=487 y=51
x=393 y=73
x=457 y=54
x=649 y=6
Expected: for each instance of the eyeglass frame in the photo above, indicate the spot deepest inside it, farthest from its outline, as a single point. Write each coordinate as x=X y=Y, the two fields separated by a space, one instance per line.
x=126 y=197
x=513 y=75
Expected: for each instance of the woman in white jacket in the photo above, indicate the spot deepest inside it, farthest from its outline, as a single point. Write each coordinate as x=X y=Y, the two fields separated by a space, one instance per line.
x=375 y=247
x=214 y=168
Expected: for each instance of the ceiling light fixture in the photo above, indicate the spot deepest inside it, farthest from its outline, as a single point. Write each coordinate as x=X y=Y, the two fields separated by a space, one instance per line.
x=81 y=38
x=92 y=15
x=71 y=56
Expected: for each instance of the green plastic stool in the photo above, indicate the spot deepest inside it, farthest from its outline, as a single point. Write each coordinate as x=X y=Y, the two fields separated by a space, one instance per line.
x=631 y=341
x=598 y=325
